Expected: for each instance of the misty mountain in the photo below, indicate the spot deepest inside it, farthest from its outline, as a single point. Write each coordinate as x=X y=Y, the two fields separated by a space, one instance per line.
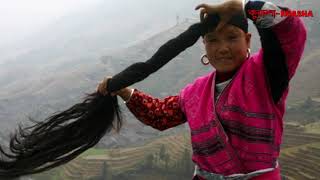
x=109 y=25
x=53 y=69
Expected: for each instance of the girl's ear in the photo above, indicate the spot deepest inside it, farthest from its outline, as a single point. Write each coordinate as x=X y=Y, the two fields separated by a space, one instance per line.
x=248 y=39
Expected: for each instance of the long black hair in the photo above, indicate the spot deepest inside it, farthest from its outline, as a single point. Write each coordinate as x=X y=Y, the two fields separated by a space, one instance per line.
x=65 y=135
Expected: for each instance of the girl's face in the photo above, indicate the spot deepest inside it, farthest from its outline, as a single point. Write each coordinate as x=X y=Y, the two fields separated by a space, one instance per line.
x=227 y=48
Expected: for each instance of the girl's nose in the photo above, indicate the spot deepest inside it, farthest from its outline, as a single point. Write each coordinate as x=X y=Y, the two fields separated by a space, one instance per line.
x=223 y=48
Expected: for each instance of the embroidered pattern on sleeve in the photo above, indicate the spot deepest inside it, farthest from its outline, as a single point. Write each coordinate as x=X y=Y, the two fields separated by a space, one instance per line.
x=160 y=114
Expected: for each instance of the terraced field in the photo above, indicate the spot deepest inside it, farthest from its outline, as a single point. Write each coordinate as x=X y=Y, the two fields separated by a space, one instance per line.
x=300 y=155
x=122 y=160
x=303 y=163
x=299 y=160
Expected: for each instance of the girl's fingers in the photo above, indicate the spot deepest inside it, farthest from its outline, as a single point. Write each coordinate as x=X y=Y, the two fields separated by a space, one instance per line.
x=99 y=88
x=221 y=25
x=224 y=19
x=203 y=14
x=205 y=6
x=105 y=84
x=102 y=87
x=210 y=8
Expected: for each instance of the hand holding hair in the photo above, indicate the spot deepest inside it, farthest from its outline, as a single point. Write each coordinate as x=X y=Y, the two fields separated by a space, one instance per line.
x=65 y=135
x=225 y=10
x=124 y=93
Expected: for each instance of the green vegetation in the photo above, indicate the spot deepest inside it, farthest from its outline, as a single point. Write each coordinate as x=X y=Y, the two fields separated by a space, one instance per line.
x=93 y=151
x=166 y=158
x=169 y=158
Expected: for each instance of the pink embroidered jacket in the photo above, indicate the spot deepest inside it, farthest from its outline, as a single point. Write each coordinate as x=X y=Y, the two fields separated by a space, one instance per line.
x=242 y=131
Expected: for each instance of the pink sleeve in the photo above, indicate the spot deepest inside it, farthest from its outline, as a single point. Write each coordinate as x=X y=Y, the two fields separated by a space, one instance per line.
x=292 y=35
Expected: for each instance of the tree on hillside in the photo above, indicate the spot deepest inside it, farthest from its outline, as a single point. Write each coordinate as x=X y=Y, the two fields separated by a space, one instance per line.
x=162 y=153
x=164 y=156
x=149 y=161
x=105 y=173
x=184 y=165
x=166 y=160
x=188 y=164
x=308 y=103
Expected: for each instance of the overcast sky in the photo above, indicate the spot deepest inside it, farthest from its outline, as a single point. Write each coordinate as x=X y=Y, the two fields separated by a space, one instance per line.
x=20 y=17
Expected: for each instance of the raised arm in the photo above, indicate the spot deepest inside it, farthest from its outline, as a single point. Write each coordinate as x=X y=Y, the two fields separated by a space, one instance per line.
x=154 y=112
x=282 y=38
x=283 y=41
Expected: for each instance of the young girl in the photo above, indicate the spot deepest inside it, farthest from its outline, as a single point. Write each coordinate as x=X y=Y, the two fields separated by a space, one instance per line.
x=235 y=113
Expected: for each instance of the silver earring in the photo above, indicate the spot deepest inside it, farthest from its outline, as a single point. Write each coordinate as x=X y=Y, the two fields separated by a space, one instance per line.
x=204 y=57
x=248 y=52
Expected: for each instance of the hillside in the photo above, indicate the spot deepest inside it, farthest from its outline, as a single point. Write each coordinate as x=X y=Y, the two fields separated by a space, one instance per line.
x=53 y=70
x=299 y=159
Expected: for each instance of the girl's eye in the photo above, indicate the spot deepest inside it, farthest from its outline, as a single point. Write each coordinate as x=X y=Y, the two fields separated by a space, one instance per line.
x=232 y=37
x=212 y=40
